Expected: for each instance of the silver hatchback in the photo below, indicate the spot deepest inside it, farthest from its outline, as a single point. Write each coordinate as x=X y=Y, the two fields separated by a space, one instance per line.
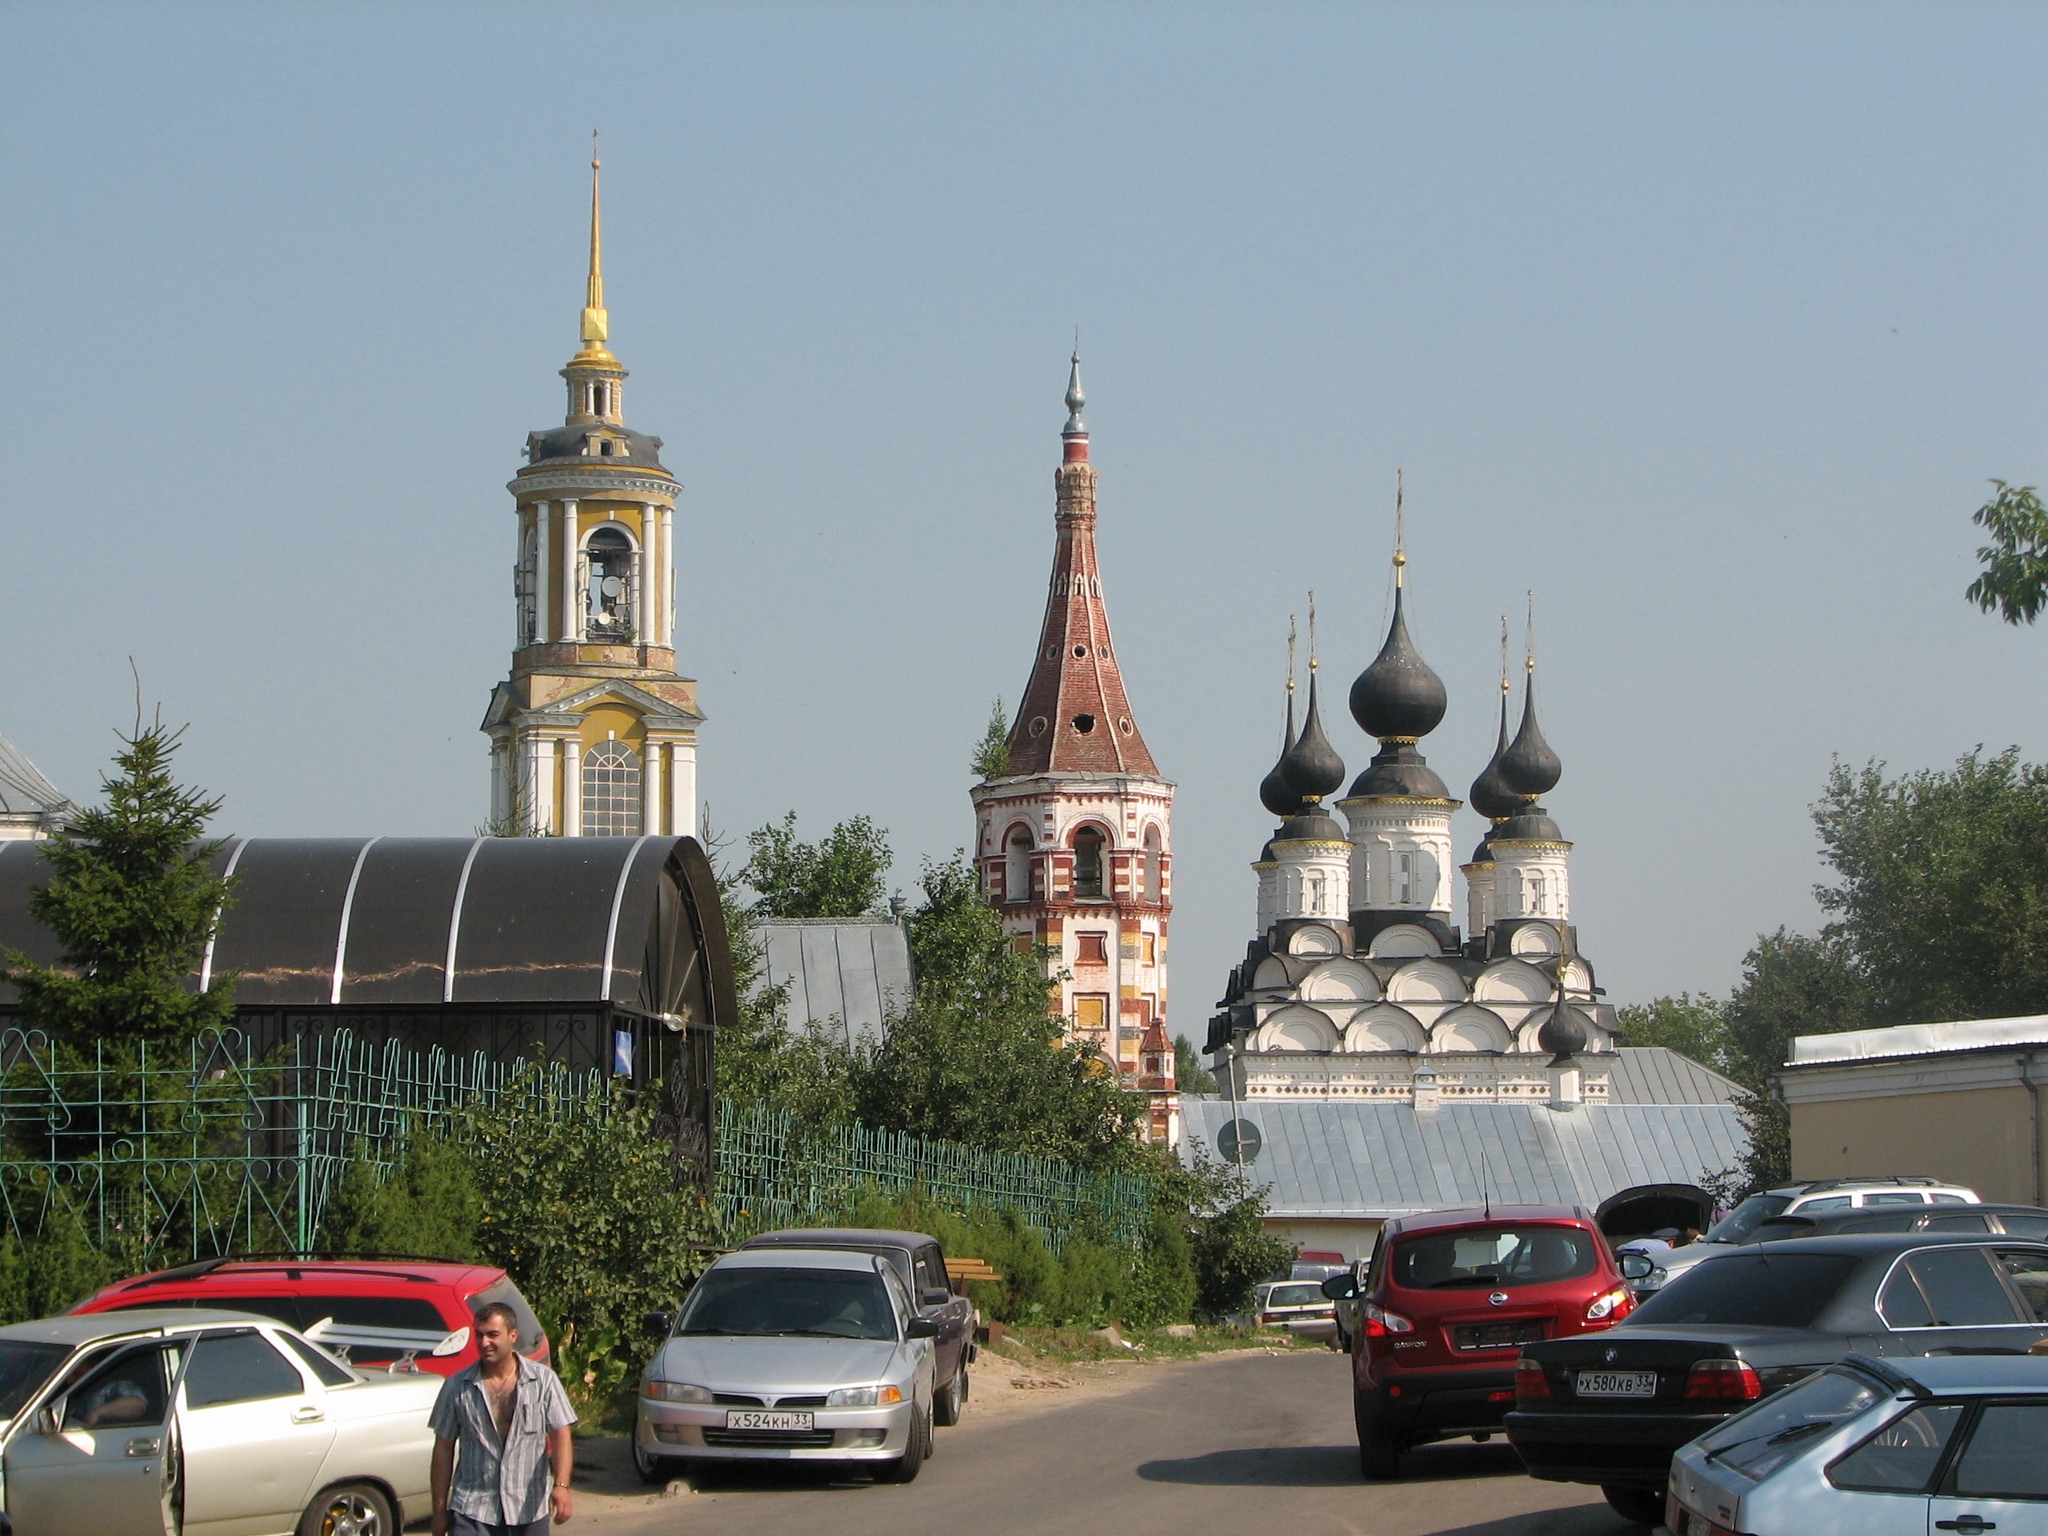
x=791 y=1354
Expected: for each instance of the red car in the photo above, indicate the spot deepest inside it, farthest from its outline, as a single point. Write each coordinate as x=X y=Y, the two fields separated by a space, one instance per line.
x=402 y=1314
x=1448 y=1302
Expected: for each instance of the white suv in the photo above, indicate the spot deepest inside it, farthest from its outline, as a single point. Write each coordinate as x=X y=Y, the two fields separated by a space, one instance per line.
x=1808 y=1199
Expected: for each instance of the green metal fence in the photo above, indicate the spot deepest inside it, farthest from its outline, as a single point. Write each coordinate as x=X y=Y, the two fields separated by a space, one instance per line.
x=210 y=1149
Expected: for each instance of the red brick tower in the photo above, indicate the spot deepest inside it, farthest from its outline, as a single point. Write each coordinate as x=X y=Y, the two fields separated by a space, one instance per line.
x=1075 y=841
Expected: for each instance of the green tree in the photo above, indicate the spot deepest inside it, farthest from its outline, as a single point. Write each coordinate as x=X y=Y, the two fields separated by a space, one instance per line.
x=992 y=756
x=428 y=1205
x=843 y=874
x=1696 y=1027
x=976 y=1058
x=132 y=900
x=1189 y=1075
x=2015 y=576
x=1942 y=900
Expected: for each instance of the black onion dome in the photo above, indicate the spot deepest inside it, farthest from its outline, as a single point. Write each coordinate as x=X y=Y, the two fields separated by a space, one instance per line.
x=1312 y=767
x=1313 y=825
x=1530 y=768
x=1490 y=795
x=1398 y=695
x=1398 y=772
x=1483 y=854
x=1275 y=794
x=1529 y=825
x=1562 y=1034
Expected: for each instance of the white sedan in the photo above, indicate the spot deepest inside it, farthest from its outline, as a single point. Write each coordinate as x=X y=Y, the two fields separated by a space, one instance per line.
x=181 y=1422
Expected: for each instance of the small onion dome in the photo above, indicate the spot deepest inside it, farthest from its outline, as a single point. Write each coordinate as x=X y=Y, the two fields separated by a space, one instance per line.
x=1275 y=794
x=1490 y=795
x=1483 y=854
x=1529 y=767
x=1314 y=825
x=1398 y=695
x=1562 y=1034
x=1529 y=825
x=1399 y=773
x=1312 y=767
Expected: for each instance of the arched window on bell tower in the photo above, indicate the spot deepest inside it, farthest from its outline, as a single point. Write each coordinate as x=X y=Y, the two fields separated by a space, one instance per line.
x=611 y=790
x=1088 y=862
x=611 y=586
x=1017 y=866
x=1152 y=857
x=526 y=589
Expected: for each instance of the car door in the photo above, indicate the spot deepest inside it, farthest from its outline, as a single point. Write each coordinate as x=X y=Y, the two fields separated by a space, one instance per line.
x=1953 y=1300
x=254 y=1431
x=1999 y=1480
x=952 y=1318
x=102 y=1469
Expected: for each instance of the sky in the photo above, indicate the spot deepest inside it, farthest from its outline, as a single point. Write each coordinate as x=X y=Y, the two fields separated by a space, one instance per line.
x=1708 y=324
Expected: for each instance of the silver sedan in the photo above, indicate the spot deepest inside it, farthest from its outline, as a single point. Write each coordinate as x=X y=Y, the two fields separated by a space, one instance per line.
x=791 y=1354
x=176 y=1420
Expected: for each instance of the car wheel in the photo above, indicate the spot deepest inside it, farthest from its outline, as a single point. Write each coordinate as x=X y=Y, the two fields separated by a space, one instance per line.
x=904 y=1469
x=349 y=1509
x=946 y=1404
x=654 y=1469
x=1645 y=1506
x=1379 y=1459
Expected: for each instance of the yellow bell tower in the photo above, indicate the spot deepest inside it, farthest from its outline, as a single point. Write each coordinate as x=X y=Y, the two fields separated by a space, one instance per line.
x=594 y=734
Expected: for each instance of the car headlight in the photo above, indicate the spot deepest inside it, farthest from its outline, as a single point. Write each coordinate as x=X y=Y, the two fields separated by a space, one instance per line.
x=675 y=1392
x=864 y=1397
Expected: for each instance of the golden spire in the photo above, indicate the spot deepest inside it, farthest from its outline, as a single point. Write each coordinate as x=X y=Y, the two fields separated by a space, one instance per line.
x=596 y=324
x=1400 y=533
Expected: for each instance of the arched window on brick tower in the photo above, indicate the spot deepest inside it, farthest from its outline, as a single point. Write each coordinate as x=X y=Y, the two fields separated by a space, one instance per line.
x=1017 y=866
x=1088 y=862
x=1152 y=855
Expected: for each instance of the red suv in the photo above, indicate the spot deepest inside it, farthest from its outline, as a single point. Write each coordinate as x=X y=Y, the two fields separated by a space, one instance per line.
x=1445 y=1307
x=402 y=1314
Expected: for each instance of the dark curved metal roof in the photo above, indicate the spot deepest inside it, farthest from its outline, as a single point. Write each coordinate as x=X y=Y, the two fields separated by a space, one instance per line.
x=558 y=445
x=421 y=921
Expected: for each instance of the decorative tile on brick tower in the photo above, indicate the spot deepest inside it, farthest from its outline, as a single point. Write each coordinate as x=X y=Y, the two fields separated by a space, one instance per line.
x=1075 y=841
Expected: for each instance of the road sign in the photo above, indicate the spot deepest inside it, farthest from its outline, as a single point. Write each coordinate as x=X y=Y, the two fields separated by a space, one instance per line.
x=1239 y=1141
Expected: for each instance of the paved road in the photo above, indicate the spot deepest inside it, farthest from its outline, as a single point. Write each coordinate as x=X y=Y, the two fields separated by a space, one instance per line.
x=1252 y=1444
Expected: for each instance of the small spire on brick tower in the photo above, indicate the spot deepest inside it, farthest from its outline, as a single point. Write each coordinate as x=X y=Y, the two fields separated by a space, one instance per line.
x=1076 y=716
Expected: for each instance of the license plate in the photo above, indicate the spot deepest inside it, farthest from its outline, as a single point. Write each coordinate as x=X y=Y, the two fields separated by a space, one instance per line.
x=1498 y=1335
x=757 y=1418
x=1617 y=1384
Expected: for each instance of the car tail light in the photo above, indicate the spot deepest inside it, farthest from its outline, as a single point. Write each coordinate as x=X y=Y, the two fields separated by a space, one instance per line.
x=1269 y=1317
x=1722 y=1381
x=1530 y=1383
x=1379 y=1322
x=1611 y=1306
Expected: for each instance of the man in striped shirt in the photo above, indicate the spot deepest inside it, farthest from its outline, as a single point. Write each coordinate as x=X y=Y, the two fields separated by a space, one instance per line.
x=502 y=1447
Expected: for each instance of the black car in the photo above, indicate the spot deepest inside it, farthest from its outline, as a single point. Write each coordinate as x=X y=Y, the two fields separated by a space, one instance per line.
x=1610 y=1408
x=921 y=1265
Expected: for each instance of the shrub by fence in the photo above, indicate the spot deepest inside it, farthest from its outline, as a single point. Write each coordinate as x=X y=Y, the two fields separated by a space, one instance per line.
x=209 y=1150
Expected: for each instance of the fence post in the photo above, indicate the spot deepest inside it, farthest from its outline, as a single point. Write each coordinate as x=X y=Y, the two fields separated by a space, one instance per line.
x=301 y=1153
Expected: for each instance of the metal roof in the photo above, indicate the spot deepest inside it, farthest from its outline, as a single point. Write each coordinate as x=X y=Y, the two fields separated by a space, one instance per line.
x=846 y=974
x=429 y=920
x=1337 y=1158
x=1656 y=1074
x=23 y=789
x=1919 y=1040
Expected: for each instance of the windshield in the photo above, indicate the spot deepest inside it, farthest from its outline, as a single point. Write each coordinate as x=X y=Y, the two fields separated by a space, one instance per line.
x=1493 y=1256
x=1740 y=1224
x=1758 y=1442
x=1767 y=1290
x=827 y=1303
x=23 y=1368
x=1297 y=1296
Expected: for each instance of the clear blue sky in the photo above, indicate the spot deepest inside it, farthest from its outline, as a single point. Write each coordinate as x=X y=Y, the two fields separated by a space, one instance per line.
x=1708 y=323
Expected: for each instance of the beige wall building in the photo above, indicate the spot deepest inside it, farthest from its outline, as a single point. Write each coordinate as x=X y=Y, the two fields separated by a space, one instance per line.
x=1957 y=1101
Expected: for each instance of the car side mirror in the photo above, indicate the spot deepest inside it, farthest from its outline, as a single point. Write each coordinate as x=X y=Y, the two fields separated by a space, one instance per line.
x=920 y=1328
x=1340 y=1287
x=48 y=1419
x=1637 y=1266
x=934 y=1296
x=659 y=1322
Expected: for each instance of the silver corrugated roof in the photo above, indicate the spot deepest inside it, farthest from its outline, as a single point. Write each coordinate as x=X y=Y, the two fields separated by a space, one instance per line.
x=1656 y=1074
x=1330 y=1158
x=842 y=973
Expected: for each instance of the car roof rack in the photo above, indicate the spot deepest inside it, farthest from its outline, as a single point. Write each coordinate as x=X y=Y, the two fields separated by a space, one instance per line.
x=1891 y=1180
x=203 y=1267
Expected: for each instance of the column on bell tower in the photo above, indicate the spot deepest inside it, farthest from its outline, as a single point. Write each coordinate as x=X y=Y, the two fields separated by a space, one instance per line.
x=594 y=733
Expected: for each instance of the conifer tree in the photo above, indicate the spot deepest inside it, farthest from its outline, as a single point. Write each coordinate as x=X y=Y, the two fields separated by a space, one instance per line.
x=132 y=900
x=992 y=756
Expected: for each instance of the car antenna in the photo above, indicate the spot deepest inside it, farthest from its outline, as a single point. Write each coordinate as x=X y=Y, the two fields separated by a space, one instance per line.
x=1485 y=1188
